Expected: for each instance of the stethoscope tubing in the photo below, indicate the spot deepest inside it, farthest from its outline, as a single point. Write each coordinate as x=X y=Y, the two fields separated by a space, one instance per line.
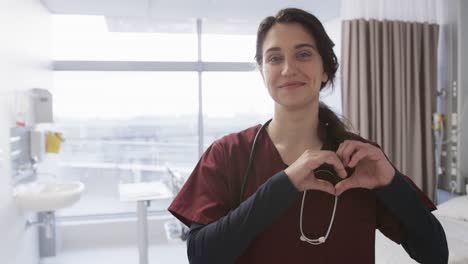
x=303 y=237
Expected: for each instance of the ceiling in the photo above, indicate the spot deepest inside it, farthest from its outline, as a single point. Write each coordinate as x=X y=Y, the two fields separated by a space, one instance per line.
x=240 y=15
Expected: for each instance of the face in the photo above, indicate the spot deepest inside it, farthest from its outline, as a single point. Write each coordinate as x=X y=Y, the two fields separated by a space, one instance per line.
x=292 y=67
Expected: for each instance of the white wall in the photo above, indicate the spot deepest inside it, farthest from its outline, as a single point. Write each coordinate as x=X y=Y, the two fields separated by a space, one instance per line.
x=25 y=52
x=463 y=94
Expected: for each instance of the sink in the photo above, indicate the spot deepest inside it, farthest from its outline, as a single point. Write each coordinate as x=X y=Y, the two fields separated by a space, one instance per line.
x=47 y=196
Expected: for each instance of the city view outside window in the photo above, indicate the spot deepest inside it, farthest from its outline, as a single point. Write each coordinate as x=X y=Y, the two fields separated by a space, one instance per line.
x=233 y=101
x=122 y=127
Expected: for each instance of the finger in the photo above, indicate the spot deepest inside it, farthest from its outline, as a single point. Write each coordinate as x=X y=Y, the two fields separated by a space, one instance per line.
x=375 y=153
x=337 y=164
x=346 y=184
x=321 y=185
x=349 y=150
x=340 y=149
x=331 y=158
x=343 y=150
x=358 y=156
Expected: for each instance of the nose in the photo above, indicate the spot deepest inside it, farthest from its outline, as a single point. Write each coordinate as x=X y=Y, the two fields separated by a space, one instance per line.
x=289 y=68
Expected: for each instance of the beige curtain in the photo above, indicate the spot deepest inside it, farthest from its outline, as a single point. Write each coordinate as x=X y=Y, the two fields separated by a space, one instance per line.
x=389 y=83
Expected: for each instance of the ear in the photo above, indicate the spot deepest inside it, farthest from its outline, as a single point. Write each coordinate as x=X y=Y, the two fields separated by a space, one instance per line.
x=324 y=77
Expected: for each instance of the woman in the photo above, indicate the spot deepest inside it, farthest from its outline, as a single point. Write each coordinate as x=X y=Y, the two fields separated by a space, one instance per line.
x=313 y=192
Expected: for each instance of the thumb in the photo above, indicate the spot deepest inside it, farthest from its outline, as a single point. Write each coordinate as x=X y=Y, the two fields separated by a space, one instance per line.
x=345 y=185
x=324 y=186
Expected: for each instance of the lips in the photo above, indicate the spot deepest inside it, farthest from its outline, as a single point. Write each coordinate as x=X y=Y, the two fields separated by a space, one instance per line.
x=292 y=84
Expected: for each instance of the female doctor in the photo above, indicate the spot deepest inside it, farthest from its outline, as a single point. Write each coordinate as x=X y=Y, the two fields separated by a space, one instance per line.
x=301 y=188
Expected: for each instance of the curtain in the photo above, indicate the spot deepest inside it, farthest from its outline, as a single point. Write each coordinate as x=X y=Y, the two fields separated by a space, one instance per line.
x=431 y=11
x=389 y=85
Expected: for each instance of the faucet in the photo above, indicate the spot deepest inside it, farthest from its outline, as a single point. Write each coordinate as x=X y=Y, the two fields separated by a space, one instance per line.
x=23 y=170
x=34 y=164
x=35 y=169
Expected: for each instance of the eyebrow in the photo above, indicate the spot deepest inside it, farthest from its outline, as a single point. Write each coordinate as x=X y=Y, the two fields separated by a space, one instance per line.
x=298 y=46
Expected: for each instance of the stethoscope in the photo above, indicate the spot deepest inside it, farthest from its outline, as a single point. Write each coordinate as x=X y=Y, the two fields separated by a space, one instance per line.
x=303 y=237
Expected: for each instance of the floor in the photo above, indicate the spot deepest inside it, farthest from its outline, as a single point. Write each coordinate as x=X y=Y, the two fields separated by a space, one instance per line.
x=443 y=196
x=173 y=253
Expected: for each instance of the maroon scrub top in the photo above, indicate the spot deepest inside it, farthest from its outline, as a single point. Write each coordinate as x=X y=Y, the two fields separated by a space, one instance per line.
x=213 y=188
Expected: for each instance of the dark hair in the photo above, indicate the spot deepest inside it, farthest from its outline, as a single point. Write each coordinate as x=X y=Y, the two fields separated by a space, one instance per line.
x=313 y=26
x=331 y=127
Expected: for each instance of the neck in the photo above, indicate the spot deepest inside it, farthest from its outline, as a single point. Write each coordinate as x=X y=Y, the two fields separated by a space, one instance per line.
x=296 y=129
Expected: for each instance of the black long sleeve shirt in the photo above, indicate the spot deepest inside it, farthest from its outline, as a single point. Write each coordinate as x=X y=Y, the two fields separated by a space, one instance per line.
x=227 y=238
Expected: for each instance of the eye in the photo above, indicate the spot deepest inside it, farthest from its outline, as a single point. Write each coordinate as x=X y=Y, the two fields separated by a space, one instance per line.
x=304 y=55
x=274 y=59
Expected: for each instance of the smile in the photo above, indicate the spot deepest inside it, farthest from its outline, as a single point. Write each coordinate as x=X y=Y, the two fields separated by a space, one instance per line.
x=291 y=85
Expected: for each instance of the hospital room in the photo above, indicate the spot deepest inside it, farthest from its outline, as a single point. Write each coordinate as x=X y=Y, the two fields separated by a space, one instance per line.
x=216 y=131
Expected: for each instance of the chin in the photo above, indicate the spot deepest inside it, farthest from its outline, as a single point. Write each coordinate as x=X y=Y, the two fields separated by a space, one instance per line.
x=294 y=105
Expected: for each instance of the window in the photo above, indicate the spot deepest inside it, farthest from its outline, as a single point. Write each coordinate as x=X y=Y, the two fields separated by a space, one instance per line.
x=124 y=127
x=232 y=48
x=132 y=125
x=87 y=38
x=233 y=101
x=332 y=97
